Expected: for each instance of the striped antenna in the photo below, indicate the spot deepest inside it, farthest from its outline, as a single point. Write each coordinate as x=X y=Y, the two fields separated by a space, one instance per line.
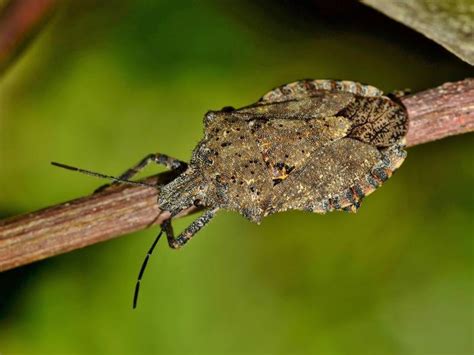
x=142 y=269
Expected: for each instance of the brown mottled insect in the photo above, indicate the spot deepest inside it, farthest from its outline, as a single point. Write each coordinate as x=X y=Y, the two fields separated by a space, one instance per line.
x=313 y=145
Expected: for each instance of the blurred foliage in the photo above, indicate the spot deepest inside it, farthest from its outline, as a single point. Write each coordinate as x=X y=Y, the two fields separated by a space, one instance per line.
x=448 y=22
x=107 y=83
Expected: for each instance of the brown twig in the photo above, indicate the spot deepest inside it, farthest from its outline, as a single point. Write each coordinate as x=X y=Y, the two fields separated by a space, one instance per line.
x=440 y=112
x=20 y=21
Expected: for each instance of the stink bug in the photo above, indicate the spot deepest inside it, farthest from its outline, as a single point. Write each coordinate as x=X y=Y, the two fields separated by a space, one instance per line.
x=313 y=145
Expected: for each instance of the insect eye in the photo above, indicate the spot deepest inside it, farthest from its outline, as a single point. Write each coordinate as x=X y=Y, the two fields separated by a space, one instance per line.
x=228 y=109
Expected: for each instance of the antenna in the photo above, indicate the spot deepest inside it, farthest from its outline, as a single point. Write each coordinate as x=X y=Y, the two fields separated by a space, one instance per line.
x=102 y=176
x=142 y=269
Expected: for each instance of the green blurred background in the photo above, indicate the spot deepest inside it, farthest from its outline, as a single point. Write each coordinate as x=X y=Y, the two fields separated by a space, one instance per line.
x=108 y=82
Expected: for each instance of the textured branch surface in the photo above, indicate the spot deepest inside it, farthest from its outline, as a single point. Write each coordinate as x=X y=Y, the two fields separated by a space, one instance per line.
x=434 y=114
x=440 y=112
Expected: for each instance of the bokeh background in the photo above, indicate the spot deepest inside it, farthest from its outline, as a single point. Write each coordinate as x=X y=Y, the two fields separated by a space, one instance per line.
x=107 y=82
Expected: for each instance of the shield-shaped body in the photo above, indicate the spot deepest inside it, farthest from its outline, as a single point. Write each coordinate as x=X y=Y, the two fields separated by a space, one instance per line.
x=314 y=145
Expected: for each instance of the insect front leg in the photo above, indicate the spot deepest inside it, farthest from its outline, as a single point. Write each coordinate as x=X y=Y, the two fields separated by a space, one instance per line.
x=173 y=242
x=188 y=233
x=158 y=158
x=168 y=229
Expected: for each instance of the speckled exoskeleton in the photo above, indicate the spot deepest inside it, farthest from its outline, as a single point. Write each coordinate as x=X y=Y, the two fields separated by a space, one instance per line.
x=312 y=145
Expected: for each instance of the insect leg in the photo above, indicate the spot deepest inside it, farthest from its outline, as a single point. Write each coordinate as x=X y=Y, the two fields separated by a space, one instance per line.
x=168 y=228
x=188 y=233
x=158 y=158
